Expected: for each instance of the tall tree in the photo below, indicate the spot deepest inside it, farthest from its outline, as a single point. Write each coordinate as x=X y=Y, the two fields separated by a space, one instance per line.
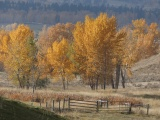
x=146 y=37
x=95 y=46
x=120 y=36
x=54 y=33
x=19 y=56
x=4 y=39
x=141 y=42
x=60 y=61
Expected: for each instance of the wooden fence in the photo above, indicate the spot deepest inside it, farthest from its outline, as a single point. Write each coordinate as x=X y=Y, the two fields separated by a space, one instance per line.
x=84 y=105
x=147 y=107
x=119 y=106
x=99 y=105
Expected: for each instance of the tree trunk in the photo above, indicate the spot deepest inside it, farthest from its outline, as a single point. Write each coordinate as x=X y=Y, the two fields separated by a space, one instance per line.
x=28 y=84
x=67 y=84
x=123 y=78
x=33 y=87
x=118 y=68
x=97 y=82
x=91 y=83
x=112 y=82
x=102 y=86
x=20 y=84
x=104 y=83
x=105 y=72
x=63 y=81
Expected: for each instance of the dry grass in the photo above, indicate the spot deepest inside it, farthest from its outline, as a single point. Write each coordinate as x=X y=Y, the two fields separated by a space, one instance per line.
x=147 y=96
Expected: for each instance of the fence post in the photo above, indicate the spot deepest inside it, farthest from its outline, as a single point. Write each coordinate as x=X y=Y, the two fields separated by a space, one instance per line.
x=97 y=105
x=130 y=108
x=46 y=104
x=59 y=105
x=53 y=105
x=68 y=103
x=101 y=103
x=40 y=104
x=147 y=109
x=64 y=103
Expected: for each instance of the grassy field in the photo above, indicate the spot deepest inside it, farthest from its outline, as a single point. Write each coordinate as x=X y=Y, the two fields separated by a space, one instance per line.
x=147 y=96
x=12 y=110
x=148 y=93
x=107 y=116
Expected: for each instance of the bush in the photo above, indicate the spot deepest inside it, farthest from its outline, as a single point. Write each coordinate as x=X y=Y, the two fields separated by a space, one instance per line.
x=42 y=83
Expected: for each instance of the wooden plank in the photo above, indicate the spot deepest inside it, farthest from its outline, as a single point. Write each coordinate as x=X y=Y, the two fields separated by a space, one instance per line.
x=83 y=106
x=110 y=110
x=122 y=109
x=82 y=100
x=82 y=103
x=138 y=105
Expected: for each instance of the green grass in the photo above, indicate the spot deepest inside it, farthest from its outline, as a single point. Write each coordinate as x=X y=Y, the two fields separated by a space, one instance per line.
x=12 y=110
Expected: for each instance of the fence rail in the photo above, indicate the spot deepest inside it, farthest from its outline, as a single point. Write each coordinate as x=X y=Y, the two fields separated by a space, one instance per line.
x=99 y=105
x=74 y=104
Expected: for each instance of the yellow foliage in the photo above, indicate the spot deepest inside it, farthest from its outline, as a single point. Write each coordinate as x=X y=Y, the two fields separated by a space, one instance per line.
x=141 y=41
x=54 y=33
x=58 y=58
x=19 y=52
x=96 y=44
x=4 y=39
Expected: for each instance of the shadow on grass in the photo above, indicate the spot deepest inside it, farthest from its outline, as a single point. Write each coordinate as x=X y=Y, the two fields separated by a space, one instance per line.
x=11 y=110
x=148 y=96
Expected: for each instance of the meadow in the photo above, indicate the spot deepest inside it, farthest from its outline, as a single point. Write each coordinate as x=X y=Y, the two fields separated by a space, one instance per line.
x=146 y=96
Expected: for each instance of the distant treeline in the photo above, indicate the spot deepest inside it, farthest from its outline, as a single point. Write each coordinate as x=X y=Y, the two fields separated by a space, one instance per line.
x=54 y=13
x=26 y=6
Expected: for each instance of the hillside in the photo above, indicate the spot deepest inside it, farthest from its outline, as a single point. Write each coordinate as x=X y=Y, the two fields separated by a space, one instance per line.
x=4 y=82
x=11 y=110
x=147 y=71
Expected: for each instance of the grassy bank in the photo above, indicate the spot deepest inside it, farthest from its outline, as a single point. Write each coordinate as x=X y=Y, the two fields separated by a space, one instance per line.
x=11 y=110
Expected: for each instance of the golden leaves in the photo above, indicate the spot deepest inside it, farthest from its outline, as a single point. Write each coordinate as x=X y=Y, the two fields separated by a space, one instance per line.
x=19 y=48
x=60 y=61
x=95 y=44
x=54 y=33
x=4 y=39
x=58 y=57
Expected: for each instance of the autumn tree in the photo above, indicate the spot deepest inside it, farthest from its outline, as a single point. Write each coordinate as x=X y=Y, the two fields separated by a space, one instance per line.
x=54 y=33
x=59 y=59
x=118 y=60
x=146 y=36
x=95 y=45
x=141 y=42
x=46 y=38
x=4 y=39
x=19 y=57
x=10 y=27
